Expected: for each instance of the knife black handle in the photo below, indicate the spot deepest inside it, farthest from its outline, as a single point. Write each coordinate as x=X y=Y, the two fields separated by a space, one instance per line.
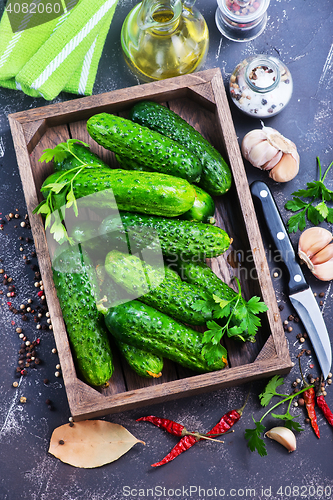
x=262 y=195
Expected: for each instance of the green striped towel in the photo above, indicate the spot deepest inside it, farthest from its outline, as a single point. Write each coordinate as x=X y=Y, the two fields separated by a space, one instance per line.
x=61 y=55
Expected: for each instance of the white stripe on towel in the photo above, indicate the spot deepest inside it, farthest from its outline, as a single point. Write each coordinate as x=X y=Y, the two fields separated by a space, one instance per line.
x=86 y=68
x=10 y=48
x=71 y=45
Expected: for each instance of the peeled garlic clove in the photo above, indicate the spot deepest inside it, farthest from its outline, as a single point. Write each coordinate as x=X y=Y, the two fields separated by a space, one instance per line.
x=316 y=250
x=270 y=164
x=313 y=240
x=323 y=255
x=261 y=153
x=286 y=169
x=324 y=271
x=284 y=436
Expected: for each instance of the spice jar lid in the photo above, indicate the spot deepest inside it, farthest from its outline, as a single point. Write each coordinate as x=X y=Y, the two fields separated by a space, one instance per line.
x=243 y=11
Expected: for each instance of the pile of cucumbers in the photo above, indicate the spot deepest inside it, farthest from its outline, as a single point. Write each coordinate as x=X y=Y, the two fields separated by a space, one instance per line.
x=169 y=174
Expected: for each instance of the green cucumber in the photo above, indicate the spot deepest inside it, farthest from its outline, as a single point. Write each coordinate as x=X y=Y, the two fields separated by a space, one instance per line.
x=146 y=192
x=216 y=175
x=152 y=150
x=203 y=208
x=151 y=286
x=141 y=325
x=175 y=237
x=82 y=153
x=144 y=363
x=199 y=274
x=86 y=232
x=76 y=286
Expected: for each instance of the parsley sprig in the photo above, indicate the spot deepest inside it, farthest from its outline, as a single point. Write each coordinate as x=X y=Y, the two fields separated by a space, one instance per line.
x=254 y=436
x=61 y=192
x=303 y=202
x=239 y=317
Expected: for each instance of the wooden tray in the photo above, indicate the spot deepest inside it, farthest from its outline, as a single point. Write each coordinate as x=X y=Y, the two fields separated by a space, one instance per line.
x=199 y=98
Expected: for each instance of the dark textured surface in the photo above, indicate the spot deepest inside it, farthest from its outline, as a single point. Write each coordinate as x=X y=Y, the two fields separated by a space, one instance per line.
x=300 y=33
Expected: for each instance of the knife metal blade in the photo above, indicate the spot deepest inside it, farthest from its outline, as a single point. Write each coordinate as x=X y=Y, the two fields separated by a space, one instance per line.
x=300 y=293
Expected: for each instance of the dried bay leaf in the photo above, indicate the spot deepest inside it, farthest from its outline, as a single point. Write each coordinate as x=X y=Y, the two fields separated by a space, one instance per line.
x=91 y=443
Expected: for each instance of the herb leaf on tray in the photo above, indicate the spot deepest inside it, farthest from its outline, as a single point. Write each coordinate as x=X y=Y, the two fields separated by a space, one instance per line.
x=316 y=191
x=244 y=328
x=60 y=192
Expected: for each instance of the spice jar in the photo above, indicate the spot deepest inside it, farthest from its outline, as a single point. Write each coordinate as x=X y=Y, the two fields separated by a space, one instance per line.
x=241 y=20
x=261 y=85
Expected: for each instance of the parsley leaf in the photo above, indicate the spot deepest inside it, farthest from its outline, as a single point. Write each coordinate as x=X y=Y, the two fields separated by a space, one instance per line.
x=61 y=192
x=270 y=390
x=255 y=441
x=235 y=317
x=329 y=217
x=289 y=421
x=296 y=204
x=59 y=152
x=314 y=212
x=297 y=221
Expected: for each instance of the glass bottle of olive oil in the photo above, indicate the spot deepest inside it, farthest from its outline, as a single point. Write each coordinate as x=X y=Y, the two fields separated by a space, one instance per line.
x=164 y=38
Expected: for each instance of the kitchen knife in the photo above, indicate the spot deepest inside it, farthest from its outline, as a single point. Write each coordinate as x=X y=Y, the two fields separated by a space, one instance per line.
x=300 y=293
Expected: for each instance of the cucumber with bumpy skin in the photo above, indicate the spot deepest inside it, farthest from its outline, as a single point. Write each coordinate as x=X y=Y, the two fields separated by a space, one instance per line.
x=156 y=287
x=141 y=325
x=76 y=287
x=199 y=274
x=146 y=192
x=203 y=208
x=175 y=237
x=216 y=175
x=150 y=149
x=144 y=363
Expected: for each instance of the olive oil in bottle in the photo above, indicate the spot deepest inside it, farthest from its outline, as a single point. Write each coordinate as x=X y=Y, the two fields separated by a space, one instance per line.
x=162 y=40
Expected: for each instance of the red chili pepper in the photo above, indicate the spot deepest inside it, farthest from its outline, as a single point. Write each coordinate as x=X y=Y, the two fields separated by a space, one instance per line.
x=226 y=422
x=186 y=442
x=321 y=402
x=310 y=398
x=164 y=423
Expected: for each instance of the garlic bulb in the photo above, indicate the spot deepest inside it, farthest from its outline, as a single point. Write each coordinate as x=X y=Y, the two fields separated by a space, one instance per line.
x=269 y=150
x=284 y=436
x=316 y=250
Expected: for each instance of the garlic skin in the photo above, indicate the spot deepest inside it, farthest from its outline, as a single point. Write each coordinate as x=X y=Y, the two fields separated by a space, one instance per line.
x=269 y=150
x=315 y=248
x=284 y=436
